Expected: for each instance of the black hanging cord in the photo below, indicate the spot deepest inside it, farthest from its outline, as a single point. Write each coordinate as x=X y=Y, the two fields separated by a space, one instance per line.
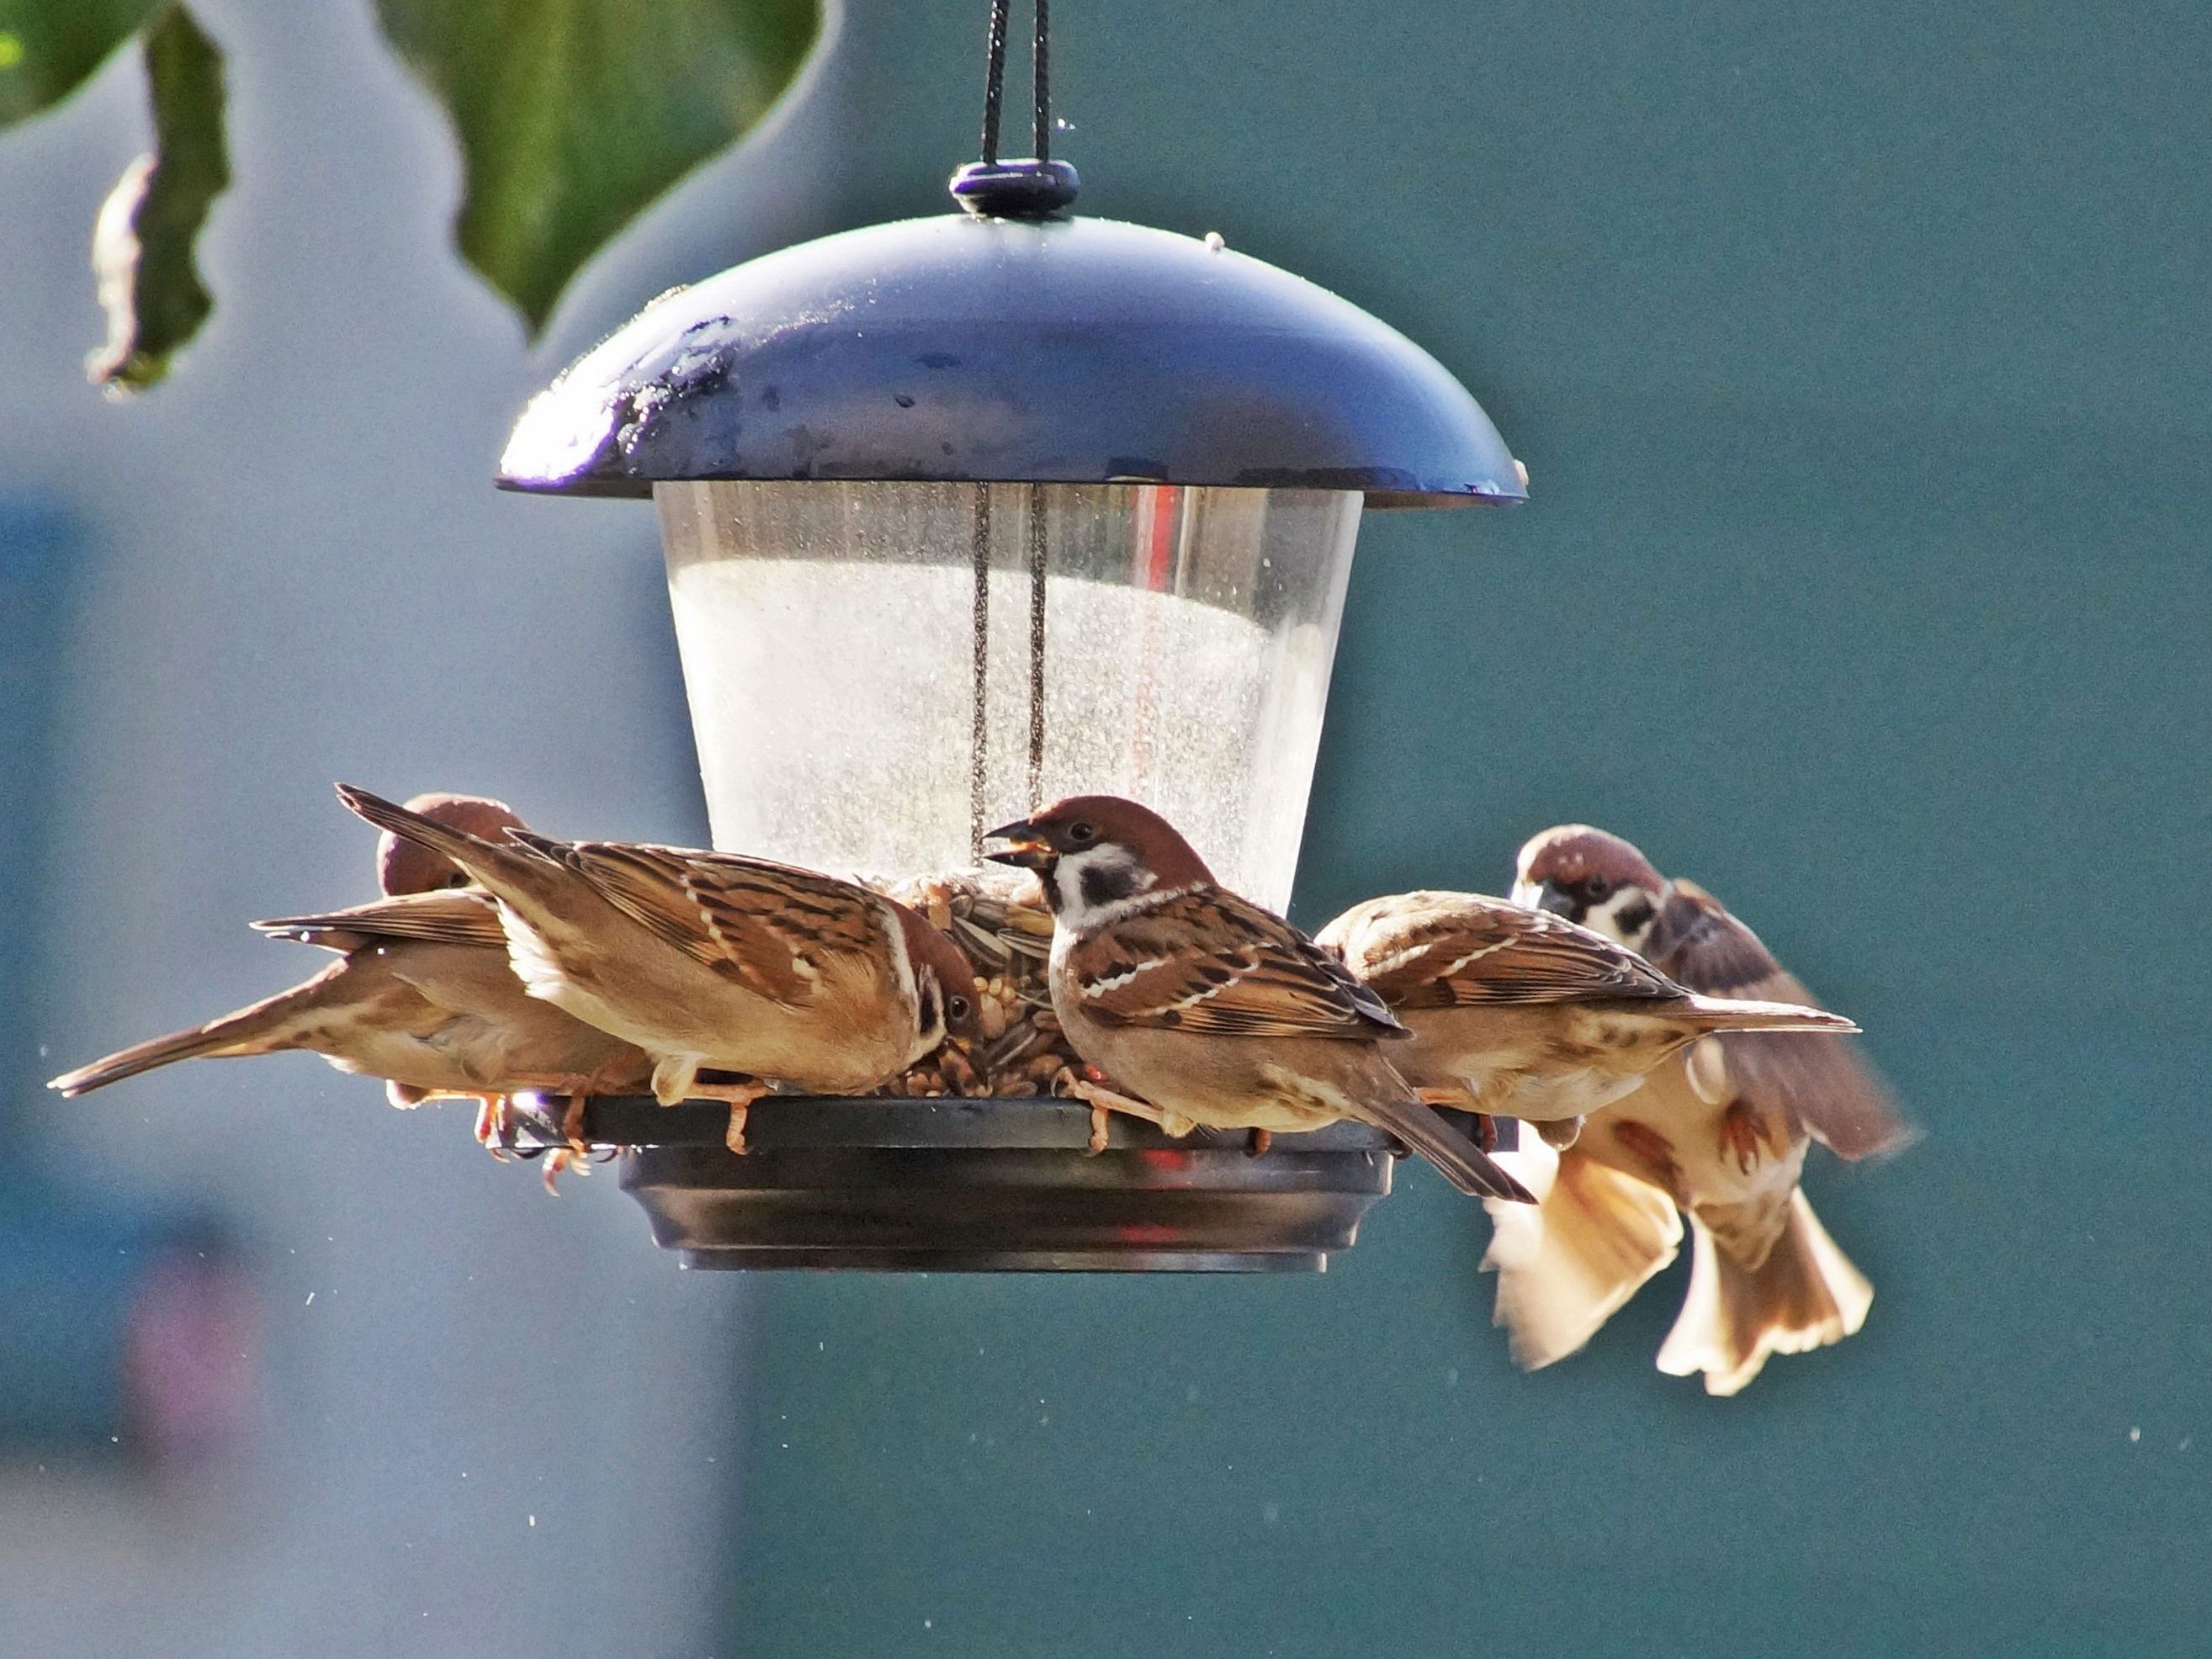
x=1034 y=187
x=994 y=82
x=1038 y=547
x=1042 y=124
x=979 y=733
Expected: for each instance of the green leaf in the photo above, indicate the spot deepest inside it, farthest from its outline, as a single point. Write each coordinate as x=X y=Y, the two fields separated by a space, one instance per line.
x=48 y=48
x=141 y=245
x=574 y=114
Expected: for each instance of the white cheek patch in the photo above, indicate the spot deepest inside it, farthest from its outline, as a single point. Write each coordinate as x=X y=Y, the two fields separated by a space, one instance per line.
x=1067 y=877
x=1110 y=867
x=932 y=1028
x=1605 y=917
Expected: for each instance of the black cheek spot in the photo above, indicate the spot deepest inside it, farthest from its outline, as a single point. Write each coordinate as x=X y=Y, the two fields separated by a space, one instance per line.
x=1637 y=917
x=1103 y=886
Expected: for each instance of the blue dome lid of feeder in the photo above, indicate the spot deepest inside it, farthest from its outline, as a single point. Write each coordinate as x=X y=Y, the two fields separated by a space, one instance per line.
x=967 y=349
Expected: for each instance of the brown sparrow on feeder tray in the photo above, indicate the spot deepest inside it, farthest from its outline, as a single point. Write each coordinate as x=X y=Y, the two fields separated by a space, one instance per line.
x=1721 y=1133
x=1521 y=1013
x=449 y=945
x=712 y=960
x=1215 y=1012
x=421 y=996
x=406 y=866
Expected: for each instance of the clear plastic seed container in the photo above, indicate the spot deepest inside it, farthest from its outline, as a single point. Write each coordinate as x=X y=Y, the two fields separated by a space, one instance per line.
x=859 y=710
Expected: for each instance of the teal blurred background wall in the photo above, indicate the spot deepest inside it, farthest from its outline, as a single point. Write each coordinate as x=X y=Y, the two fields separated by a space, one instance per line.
x=1860 y=356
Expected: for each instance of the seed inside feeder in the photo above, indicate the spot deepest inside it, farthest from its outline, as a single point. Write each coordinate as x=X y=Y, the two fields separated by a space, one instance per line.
x=999 y=920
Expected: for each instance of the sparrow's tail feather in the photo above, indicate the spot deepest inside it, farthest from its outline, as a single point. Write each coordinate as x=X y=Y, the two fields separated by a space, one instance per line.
x=1458 y=1159
x=497 y=866
x=1735 y=1014
x=268 y=1027
x=1804 y=1295
x=1566 y=1263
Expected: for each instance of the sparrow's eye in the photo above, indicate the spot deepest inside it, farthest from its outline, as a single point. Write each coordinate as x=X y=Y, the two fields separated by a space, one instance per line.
x=957 y=1007
x=1082 y=834
x=1597 y=887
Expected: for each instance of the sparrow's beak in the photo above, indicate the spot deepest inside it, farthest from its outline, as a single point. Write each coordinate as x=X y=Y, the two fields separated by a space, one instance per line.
x=1549 y=897
x=1028 y=852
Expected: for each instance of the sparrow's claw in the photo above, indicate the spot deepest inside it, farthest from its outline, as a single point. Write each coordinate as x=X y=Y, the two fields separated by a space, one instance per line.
x=559 y=1162
x=572 y=1125
x=491 y=1124
x=740 y=1095
x=1483 y=1130
x=1261 y=1140
x=1743 y=1137
x=1102 y=1100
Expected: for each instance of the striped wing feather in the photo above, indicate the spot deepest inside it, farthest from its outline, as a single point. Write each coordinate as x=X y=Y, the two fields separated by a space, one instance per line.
x=462 y=915
x=1206 y=961
x=1448 y=950
x=772 y=928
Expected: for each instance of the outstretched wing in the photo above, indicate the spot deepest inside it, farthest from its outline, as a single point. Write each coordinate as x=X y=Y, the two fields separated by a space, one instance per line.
x=1819 y=1081
x=1204 y=960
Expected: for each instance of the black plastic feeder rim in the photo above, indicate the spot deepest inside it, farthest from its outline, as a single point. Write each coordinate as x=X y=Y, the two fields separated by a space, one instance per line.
x=981 y=1186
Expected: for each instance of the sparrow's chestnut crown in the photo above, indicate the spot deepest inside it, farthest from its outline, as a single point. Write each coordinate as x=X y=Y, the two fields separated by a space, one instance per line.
x=1575 y=871
x=1085 y=821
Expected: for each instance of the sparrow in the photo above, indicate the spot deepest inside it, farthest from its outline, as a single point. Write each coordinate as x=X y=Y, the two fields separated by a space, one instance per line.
x=406 y=866
x=1521 y=1013
x=1214 y=1010
x=710 y=960
x=1719 y=1133
x=449 y=947
x=420 y=996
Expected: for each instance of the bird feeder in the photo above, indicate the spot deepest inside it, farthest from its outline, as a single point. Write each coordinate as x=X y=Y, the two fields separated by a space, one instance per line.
x=965 y=514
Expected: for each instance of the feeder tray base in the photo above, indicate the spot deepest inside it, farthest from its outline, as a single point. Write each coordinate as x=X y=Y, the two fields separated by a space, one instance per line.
x=978 y=1186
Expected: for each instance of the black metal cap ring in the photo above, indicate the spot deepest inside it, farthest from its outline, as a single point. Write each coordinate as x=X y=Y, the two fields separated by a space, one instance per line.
x=1016 y=189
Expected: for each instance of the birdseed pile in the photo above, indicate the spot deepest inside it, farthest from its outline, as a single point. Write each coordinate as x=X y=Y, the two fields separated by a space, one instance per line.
x=999 y=920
